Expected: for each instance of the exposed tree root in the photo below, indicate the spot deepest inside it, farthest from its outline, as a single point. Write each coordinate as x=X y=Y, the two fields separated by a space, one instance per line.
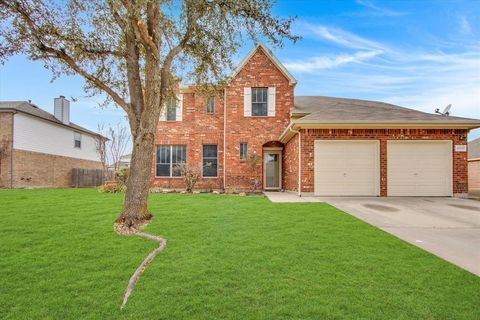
x=133 y=280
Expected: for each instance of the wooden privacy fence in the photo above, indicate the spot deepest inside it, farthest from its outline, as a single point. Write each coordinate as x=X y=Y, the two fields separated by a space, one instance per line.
x=87 y=177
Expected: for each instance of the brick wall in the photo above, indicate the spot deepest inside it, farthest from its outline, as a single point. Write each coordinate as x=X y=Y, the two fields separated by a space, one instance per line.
x=38 y=170
x=290 y=165
x=6 y=122
x=457 y=136
x=259 y=71
x=198 y=128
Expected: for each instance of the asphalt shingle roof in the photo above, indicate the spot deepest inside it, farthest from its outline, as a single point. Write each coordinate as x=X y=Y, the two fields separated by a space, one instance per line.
x=33 y=110
x=320 y=109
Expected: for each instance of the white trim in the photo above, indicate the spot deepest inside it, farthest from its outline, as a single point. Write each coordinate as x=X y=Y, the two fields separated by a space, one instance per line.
x=271 y=102
x=276 y=62
x=279 y=152
x=179 y=108
x=247 y=102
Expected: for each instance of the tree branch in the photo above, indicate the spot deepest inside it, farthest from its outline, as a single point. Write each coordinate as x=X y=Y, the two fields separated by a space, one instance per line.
x=69 y=61
x=141 y=30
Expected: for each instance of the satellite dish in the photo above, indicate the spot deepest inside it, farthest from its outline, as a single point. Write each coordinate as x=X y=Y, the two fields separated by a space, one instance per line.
x=446 y=111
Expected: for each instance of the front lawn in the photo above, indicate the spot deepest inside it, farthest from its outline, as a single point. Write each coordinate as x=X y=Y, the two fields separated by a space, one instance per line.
x=227 y=257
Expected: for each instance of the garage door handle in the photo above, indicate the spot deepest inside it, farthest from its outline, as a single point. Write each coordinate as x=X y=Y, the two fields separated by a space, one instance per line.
x=344 y=174
x=415 y=174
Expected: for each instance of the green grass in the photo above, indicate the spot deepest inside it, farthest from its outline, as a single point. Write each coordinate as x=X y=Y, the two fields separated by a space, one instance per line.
x=227 y=257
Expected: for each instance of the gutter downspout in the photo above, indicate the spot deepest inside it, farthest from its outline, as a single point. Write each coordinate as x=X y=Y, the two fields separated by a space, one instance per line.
x=299 y=160
x=11 y=151
x=224 y=137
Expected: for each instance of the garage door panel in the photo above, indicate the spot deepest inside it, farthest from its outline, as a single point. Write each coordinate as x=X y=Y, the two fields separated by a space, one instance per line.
x=346 y=167
x=419 y=168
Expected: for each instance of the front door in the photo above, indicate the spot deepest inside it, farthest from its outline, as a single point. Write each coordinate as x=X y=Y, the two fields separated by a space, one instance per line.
x=272 y=168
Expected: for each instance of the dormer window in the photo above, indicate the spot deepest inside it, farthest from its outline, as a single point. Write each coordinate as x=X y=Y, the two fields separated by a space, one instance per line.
x=259 y=102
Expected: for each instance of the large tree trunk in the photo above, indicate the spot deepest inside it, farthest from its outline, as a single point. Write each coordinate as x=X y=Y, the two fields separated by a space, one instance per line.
x=135 y=209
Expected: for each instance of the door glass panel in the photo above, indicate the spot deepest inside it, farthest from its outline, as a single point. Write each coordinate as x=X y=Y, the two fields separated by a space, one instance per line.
x=272 y=170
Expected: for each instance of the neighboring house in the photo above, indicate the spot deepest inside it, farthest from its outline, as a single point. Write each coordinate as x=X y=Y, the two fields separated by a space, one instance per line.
x=123 y=163
x=42 y=149
x=311 y=145
x=474 y=165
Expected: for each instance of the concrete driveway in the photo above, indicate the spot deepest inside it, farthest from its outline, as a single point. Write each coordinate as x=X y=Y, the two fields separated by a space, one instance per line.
x=446 y=227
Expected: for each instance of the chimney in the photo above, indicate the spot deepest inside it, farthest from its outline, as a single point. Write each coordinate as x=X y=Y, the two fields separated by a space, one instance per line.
x=62 y=109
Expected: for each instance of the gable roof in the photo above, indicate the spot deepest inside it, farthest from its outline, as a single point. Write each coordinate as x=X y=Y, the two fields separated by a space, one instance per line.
x=474 y=149
x=270 y=55
x=330 y=112
x=33 y=110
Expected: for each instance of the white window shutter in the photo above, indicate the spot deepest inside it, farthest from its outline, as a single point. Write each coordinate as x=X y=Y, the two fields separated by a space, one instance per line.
x=247 y=102
x=179 y=110
x=163 y=113
x=271 y=102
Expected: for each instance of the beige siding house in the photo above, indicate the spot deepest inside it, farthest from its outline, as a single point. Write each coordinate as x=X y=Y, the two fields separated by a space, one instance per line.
x=41 y=149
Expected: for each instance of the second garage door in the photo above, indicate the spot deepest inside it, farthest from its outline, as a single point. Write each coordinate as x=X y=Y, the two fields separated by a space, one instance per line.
x=347 y=168
x=419 y=168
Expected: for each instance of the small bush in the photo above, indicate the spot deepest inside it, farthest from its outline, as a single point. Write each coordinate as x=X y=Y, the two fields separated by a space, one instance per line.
x=112 y=188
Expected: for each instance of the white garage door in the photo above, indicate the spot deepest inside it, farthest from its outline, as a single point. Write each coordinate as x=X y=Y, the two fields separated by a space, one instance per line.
x=419 y=168
x=347 y=168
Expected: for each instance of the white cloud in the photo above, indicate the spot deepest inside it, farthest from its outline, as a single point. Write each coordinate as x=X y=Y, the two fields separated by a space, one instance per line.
x=324 y=62
x=379 y=11
x=342 y=37
x=465 y=27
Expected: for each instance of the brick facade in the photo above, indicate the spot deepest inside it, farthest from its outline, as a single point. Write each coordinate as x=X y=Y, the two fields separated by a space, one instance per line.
x=198 y=128
x=457 y=136
x=40 y=170
x=6 y=126
x=229 y=125
x=290 y=165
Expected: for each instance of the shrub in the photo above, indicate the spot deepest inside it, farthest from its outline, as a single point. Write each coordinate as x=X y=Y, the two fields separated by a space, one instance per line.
x=110 y=187
x=190 y=175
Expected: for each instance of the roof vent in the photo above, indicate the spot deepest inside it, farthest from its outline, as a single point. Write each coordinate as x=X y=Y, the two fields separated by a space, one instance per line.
x=62 y=109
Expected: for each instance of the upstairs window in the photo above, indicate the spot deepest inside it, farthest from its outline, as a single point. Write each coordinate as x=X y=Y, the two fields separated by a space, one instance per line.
x=77 y=140
x=210 y=160
x=172 y=109
x=168 y=160
x=243 y=150
x=259 y=102
x=210 y=104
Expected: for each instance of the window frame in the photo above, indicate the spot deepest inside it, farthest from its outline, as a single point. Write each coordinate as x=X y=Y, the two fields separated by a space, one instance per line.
x=212 y=158
x=210 y=98
x=254 y=95
x=170 y=163
x=243 y=156
x=171 y=103
x=75 y=135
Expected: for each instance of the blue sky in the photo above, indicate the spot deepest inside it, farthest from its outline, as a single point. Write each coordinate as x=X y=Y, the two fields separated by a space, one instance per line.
x=419 y=54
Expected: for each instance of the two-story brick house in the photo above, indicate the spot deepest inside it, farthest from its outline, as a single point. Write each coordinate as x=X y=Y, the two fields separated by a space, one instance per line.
x=310 y=145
